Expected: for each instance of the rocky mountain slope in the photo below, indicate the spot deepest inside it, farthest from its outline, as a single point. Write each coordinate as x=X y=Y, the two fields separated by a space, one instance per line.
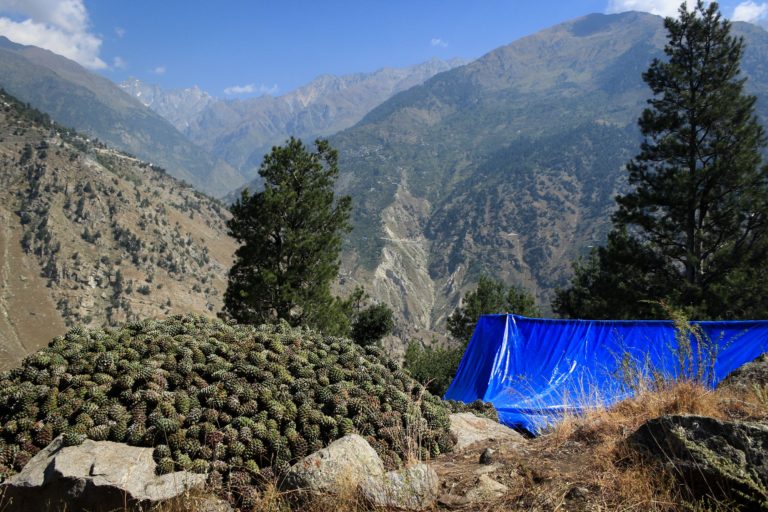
x=241 y=132
x=181 y=107
x=95 y=106
x=92 y=235
x=508 y=165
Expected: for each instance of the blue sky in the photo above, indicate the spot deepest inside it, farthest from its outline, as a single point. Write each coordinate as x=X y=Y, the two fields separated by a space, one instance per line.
x=245 y=48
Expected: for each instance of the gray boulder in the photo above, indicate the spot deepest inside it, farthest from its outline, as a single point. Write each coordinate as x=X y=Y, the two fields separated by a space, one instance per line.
x=744 y=378
x=414 y=488
x=470 y=429
x=721 y=459
x=336 y=469
x=95 y=476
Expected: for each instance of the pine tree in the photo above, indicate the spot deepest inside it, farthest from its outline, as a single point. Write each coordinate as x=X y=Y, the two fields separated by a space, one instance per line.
x=490 y=297
x=372 y=324
x=693 y=230
x=291 y=236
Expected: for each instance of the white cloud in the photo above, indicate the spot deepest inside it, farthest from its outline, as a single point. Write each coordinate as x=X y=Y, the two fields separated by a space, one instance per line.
x=751 y=12
x=658 y=7
x=119 y=63
x=60 y=26
x=120 y=32
x=240 y=89
x=251 y=88
x=159 y=70
x=436 y=41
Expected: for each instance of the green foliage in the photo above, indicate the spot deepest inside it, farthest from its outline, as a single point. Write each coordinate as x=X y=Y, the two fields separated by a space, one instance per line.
x=490 y=296
x=291 y=235
x=372 y=324
x=367 y=324
x=434 y=367
x=478 y=408
x=615 y=281
x=213 y=397
x=693 y=231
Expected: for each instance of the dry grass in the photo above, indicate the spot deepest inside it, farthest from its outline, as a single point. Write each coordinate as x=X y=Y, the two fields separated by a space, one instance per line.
x=589 y=451
x=271 y=499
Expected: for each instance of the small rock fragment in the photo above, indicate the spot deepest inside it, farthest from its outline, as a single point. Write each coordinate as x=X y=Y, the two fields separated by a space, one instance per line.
x=487 y=457
x=487 y=489
x=484 y=470
x=577 y=493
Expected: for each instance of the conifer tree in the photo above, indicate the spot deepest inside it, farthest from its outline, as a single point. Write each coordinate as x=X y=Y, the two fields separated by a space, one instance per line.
x=490 y=297
x=693 y=230
x=291 y=236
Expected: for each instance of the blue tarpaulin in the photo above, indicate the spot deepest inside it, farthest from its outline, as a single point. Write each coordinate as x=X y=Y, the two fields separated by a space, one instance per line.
x=536 y=370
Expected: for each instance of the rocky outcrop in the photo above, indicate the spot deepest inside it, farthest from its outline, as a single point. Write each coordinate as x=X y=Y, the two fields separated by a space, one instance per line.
x=335 y=469
x=744 y=378
x=414 y=488
x=470 y=429
x=351 y=467
x=94 y=476
x=724 y=460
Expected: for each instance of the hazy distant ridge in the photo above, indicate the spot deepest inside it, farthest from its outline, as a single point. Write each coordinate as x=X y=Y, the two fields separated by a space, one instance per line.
x=242 y=131
x=94 y=105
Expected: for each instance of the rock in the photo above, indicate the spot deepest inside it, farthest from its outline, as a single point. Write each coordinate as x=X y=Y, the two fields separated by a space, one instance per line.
x=577 y=493
x=744 y=378
x=414 y=488
x=486 y=489
x=336 y=469
x=487 y=456
x=484 y=470
x=724 y=460
x=470 y=429
x=96 y=476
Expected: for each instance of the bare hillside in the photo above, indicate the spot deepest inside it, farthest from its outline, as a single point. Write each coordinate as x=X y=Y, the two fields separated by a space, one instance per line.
x=95 y=236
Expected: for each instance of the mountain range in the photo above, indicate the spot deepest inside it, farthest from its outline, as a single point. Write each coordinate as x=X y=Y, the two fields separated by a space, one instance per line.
x=213 y=144
x=98 y=108
x=507 y=166
x=241 y=132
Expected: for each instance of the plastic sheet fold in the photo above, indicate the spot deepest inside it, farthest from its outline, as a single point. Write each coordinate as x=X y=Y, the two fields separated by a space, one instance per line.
x=536 y=370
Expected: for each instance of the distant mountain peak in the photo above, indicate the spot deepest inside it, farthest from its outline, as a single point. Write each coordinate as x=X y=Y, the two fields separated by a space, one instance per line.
x=241 y=130
x=178 y=106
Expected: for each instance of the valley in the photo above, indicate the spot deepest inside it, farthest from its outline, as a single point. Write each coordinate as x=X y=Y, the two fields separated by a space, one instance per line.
x=507 y=165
